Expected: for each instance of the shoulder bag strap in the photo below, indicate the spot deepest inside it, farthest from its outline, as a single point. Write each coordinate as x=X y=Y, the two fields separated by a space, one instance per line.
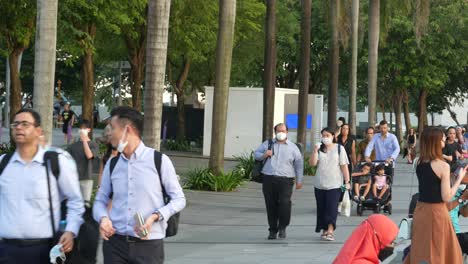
x=47 y=165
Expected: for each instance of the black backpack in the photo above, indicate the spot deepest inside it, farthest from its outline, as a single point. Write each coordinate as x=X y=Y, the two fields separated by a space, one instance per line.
x=173 y=221
x=48 y=155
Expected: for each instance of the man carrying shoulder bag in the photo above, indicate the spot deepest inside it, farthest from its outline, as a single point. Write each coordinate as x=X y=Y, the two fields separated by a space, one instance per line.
x=282 y=169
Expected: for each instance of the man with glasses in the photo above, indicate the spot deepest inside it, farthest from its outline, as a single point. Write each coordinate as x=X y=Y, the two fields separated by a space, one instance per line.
x=363 y=145
x=26 y=231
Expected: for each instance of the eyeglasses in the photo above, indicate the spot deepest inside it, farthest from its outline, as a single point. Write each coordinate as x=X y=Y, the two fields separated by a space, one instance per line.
x=24 y=124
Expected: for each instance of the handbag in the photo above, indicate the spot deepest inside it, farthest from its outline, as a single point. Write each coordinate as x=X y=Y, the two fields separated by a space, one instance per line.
x=256 y=174
x=346 y=205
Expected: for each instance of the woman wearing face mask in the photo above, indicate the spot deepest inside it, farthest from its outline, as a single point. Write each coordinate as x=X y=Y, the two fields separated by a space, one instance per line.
x=371 y=239
x=433 y=237
x=332 y=170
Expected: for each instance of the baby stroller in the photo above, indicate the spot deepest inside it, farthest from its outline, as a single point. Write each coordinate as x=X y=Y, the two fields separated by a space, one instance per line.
x=370 y=202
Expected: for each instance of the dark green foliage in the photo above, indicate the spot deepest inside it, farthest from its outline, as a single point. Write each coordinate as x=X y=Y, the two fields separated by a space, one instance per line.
x=177 y=145
x=245 y=165
x=204 y=180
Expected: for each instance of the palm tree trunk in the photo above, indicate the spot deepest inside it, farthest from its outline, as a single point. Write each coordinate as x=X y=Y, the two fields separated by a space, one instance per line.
x=422 y=111
x=269 y=75
x=88 y=86
x=374 y=30
x=180 y=92
x=397 y=98
x=304 y=71
x=227 y=18
x=406 y=109
x=156 y=56
x=353 y=71
x=15 y=82
x=334 y=65
x=44 y=62
x=137 y=66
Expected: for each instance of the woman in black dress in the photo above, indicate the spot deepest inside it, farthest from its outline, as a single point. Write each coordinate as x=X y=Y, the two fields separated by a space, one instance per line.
x=348 y=141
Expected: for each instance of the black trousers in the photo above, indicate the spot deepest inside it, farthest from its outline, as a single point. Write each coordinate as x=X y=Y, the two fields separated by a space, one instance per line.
x=277 y=192
x=327 y=207
x=15 y=254
x=118 y=250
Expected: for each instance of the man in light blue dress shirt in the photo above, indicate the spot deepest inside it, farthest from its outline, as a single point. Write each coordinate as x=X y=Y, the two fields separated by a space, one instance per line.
x=386 y=145
x=283 y=166
x=26 y=233
x=135 y=188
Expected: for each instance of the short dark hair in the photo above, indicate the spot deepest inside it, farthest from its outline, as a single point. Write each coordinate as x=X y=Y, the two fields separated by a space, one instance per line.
x=448 y=129
x=379 y=167
x=281 y=124
x=367 y=164
x=342 y=119
x=383 y=122
x=86 y=123
x=367 y=130
x=128 y=114
x=36 y=116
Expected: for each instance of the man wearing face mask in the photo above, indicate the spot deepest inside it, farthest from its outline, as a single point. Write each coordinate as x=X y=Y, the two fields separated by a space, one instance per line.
x=83 y=152
x=283 y=168
x=136 y=189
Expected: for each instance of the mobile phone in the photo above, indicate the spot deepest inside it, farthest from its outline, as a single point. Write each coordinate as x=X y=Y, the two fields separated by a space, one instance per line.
x=140 y=222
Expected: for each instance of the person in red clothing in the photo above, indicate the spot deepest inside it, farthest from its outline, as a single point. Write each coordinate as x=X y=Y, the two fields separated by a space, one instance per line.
x=371 y=238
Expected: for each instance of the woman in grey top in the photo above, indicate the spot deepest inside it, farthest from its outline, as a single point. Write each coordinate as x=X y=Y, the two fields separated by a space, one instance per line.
x=332 y=168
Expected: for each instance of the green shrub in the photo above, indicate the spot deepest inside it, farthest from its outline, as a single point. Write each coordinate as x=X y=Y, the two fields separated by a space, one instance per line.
x=177 y=145
x=245 y=164
x=227 y=182
x=200 y=179
x=309 y=170
x=204 y=180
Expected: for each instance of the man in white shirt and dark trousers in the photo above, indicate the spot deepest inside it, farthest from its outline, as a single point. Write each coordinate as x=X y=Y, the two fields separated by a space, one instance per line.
x=135 y=188
x=283 y=167
x=27 y=205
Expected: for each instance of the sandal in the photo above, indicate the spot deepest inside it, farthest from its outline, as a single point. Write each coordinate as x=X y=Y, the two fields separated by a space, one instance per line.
x=324 y=235
x=330 y=237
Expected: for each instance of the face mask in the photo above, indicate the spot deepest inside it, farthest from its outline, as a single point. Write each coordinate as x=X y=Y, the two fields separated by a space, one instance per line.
x=327 y=140
x=385 y=253
x=339 y=123
x=123 y=141
x=55 y=253
x=281 y=136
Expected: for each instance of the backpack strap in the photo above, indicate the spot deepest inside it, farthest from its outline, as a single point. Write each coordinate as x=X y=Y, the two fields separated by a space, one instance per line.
x=113 y=162
x=54 y=162
x=4 y=162
x=157 y=164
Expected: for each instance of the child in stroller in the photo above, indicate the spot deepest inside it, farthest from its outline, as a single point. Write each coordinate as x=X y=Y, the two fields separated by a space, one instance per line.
x=380 y=182
x=361 y=179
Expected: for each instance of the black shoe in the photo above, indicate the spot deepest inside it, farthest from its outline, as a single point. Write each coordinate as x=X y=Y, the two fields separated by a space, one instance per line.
x=272 y=235
x=282 y=234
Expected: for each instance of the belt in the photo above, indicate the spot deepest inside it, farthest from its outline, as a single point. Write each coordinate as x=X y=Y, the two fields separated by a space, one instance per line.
x=26 y=242
x=130 y=239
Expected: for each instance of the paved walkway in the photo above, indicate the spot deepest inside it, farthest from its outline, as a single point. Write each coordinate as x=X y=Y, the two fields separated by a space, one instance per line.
x=231 y=227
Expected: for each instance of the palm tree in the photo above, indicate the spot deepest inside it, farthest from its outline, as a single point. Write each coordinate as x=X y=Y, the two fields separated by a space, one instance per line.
x=227 y=18
x=304 y=71
x=334 y=65
x=353 y=71
x=44 y=62
x=374 y=30
x=269 y=67
x=156 y=56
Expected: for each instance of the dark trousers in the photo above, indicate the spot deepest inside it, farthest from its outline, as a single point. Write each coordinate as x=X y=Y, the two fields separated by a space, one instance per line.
x=117 y=250
x=327 y=207
x=277 y=192
x=15 y=254
x=463 y=240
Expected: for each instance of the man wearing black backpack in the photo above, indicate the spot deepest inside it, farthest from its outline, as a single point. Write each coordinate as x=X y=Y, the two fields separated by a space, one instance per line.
x=283 y=167
x=145 y=192
x=32 y=184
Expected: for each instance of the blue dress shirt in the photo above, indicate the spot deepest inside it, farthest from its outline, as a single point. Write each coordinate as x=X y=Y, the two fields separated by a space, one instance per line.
x=136 y=189
x=286 y=161
x=24 y=198
x=385 y=148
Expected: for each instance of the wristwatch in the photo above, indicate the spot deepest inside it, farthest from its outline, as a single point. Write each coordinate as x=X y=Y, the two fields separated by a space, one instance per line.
x=460 y=201
x=160 y=216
